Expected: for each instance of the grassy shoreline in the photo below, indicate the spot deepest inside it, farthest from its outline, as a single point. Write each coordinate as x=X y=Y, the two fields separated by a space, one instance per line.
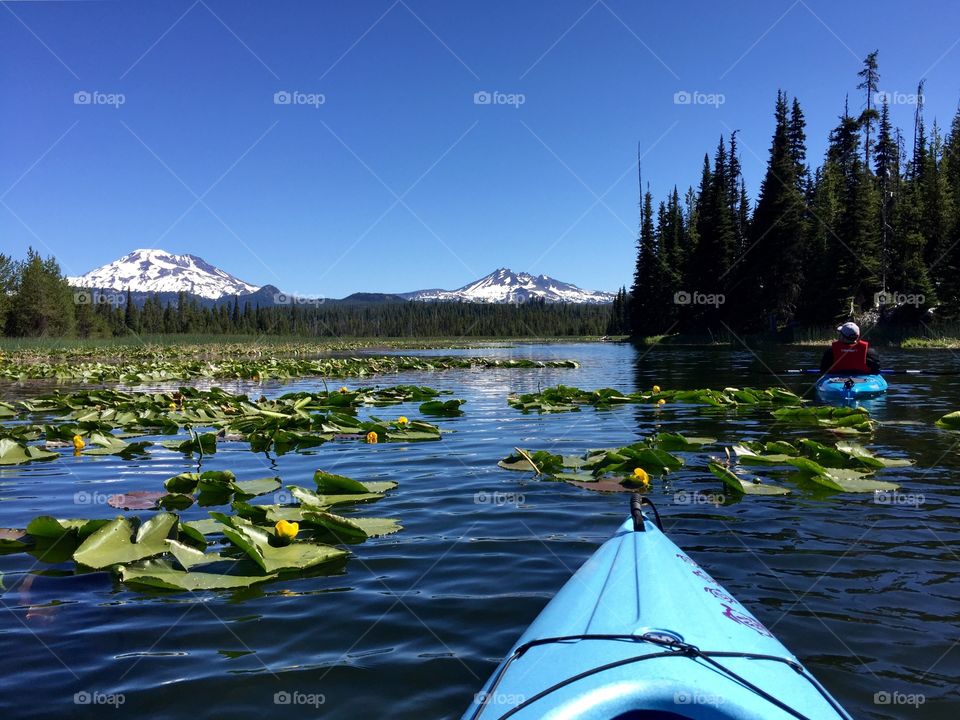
x=208 y=346
x=283 y=343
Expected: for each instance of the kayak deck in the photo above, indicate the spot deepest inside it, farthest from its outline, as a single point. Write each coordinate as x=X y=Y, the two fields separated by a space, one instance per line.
x=843 y=387
x=666 y=615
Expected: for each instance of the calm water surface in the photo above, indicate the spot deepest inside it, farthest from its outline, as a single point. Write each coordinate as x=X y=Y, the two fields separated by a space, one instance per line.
x=866 y=594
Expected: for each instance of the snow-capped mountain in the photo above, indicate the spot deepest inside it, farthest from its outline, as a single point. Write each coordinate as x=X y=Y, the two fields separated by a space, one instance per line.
x=505 y=286
x=158 y=271
x=146 y=272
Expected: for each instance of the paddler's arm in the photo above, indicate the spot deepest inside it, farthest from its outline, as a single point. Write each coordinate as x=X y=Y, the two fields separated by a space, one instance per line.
x=873 y=361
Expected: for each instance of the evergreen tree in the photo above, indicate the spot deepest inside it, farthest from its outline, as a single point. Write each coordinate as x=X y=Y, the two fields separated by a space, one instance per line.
x=42 y=303
x=8 y=279
x=644 y=318
x=775 y=261
x=870 y=77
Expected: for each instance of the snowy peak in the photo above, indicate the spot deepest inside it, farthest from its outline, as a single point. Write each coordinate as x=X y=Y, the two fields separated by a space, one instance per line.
x=147 y=270
x=505 y=286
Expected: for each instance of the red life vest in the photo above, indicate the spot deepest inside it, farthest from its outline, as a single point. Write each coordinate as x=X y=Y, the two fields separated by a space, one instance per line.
x=849 y=357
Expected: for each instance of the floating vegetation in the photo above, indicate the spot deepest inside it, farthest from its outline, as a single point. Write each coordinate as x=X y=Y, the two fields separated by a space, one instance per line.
x=149 y=370
x=839 y=419
x=950 y=421
x=563 y=398
x=618 y=464
x=252 y=544
x=845 y=466
x=748 y=486
x=289 y=422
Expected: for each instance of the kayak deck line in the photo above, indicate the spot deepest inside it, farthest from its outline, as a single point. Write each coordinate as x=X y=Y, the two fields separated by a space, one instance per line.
x=585 y=657
x=675 y=649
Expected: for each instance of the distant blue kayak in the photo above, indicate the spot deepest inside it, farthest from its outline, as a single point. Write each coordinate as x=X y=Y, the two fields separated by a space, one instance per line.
x=850 y=387
x=641 y=631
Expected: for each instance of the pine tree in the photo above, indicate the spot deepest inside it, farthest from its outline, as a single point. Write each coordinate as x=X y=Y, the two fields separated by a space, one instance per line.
x=8 y=277
x=774 y=264
x=643 y=310
x=42 y=303
x=797 y=132
x=870 y=78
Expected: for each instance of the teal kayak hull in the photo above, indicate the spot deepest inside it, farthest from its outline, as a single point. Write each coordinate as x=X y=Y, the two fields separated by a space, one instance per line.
x=655 y=601
x=850 y=387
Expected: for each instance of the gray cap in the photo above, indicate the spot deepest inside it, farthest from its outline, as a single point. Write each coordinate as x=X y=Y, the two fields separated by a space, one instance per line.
x=849 y=331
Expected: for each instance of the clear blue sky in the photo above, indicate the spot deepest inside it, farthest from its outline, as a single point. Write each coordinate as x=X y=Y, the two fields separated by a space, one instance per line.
x=306 y=196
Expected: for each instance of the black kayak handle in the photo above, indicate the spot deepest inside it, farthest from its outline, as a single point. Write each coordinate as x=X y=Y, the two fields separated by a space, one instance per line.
x=637 y=501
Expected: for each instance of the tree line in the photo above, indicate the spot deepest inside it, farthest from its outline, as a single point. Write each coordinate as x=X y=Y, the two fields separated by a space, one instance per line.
x=872 y=233
x=36 y=300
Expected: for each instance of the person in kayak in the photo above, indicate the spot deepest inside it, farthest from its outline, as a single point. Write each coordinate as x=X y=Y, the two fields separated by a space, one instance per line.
x=849 y=354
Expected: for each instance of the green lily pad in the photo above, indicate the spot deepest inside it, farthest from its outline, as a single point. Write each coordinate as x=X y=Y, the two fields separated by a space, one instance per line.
x=950 y=421
x=107 y=444
x=352 y=528
x=851 y=481
x=205 y=444
x=448 y=408
x=746 y=456
x=162 y=575
x=115 y=542
x=255 y=542
x=868 y=458
x=315 y=500
x=676 y=441
x=189 y=557
x=337 y=484
x=47 y=526
x=748 y=487
x=15 y=453
x=261 y=486
x=185 y=482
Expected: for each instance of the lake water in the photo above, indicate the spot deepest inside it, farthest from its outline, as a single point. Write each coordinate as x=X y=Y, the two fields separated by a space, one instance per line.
x=867 y=595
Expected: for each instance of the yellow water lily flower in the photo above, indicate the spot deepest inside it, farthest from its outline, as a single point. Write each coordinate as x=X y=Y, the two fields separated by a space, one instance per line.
x=286 y=530
x=402 y=420
x=640 y=476
x=656 y=388
x=344 y=389
x=661 y=401
x=173 y=406
x=78 y=443
x=372 y=437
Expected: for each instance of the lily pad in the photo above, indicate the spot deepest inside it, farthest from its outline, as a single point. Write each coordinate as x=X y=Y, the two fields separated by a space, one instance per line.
x=950 y=421
x=107 y=444
x=448 y=408
x=162 y=575
x=352 y=528
x=337 y=484
x=317 y=500
x=261 y=486
x=47 y=526
x=868 y=458
x=676 y=441
x=115 y=542
x=15 y=453
x=255 y=542
x=748 y=487
x=747 y=456
x=189 y=557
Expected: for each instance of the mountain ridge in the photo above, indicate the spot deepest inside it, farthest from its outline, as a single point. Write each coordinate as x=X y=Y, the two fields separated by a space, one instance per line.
x=145 y=271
